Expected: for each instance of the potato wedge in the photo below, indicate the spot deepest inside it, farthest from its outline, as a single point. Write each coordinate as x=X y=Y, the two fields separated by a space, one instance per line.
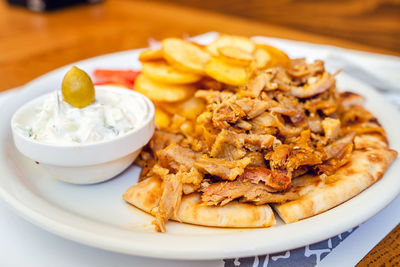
x=161 y=92
x=160 y=71
x=278 y=57
x=235 y=56
x=184 y=55
x=223 y=72
x=210 y=84
x=161 y=118
x=189 y=108
x=261 y=58
x=243 y=43
x=151 y=55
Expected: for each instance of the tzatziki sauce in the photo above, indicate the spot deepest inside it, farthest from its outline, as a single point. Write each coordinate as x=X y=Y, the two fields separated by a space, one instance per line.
x=111 y=115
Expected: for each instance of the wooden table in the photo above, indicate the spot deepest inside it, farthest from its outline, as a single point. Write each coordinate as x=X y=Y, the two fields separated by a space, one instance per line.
x=32 y=44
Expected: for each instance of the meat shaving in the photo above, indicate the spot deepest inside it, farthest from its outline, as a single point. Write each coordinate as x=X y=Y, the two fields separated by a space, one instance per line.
x=251 y=142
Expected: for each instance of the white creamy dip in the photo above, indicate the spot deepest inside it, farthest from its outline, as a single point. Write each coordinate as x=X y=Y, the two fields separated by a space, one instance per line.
x=111 y=115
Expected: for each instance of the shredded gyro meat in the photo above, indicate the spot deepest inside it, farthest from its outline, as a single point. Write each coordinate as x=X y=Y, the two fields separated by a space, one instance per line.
x=162 y=139
x=221 y=193
x=263 y=142
x=314 y=86
x=226 y=112
x=175 y=157
x=331 y=128
x=254 y=107
x=232 y=146
x=224 y=169
x=276 y=179
x=169 y=202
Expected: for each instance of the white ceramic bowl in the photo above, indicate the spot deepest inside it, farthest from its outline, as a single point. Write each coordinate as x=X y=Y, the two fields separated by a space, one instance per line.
x=84 y=163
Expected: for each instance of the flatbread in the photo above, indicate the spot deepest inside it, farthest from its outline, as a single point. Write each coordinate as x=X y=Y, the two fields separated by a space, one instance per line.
x=146 y=195
x=367 y=165
x=369 y=161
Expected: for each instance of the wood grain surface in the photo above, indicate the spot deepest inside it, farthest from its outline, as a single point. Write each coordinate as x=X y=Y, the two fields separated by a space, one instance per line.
x=386 y=253
x=33 y=44
x=372 y=22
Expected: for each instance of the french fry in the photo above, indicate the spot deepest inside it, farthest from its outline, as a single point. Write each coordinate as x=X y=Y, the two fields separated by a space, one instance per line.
x=223 y=72
x=261 y=58
x=278 y=57
x=209 y=83
x=162 y=72
x=161 y=118
x=243 y=43
x=235 y=56
x=184 y=55
x=189 y=109
x=151 y=55
x=161 y=92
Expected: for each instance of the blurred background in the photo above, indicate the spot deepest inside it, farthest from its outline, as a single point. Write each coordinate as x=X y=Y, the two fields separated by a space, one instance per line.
x=374 y=22
x=33 y=43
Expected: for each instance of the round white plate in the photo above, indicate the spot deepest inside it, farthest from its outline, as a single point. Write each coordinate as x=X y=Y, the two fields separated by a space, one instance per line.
x=97 y=216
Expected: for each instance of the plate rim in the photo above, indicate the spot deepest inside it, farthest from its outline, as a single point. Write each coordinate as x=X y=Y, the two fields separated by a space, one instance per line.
x=49 y=224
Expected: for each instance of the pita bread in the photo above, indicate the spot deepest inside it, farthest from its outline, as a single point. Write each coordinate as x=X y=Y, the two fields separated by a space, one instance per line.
x=146 y=195
x=315 y=194
x=367 y=165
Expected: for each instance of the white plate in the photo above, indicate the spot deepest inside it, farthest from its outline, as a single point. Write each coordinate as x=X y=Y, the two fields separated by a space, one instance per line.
x=96 y=215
